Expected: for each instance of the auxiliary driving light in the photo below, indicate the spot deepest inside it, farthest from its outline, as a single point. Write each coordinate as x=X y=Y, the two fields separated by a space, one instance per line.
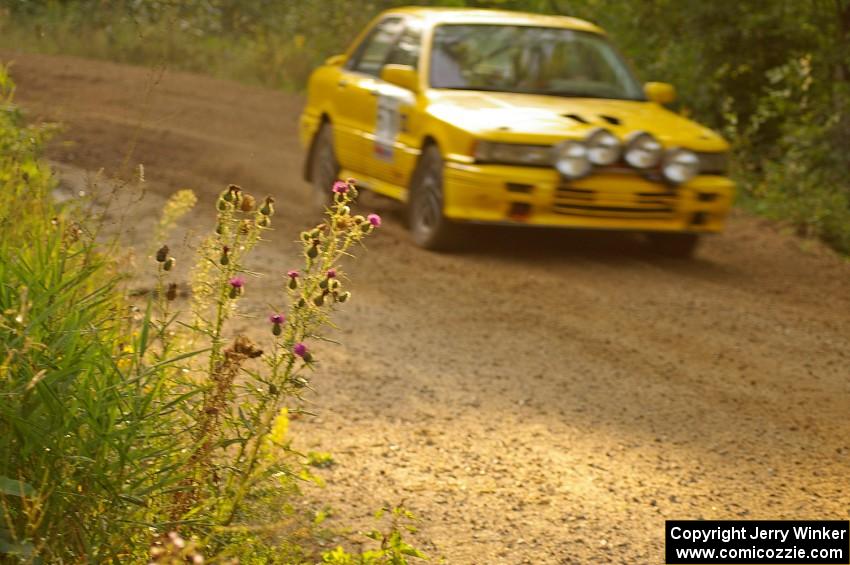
x=680 y=165
x=643 y=151
x=603 y=147
x=571 y=159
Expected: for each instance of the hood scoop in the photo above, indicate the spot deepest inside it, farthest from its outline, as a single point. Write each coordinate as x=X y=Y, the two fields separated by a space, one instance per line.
x=614 y=121
x=577 y=118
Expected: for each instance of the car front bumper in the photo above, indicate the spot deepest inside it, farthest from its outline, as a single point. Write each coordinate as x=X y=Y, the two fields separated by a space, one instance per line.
x=619 y=199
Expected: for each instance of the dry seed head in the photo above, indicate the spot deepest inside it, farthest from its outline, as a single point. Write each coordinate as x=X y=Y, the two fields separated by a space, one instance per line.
x=248 y=203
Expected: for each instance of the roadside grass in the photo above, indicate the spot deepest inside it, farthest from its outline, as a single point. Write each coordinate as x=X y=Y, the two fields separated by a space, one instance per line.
x=281 y=59
x=136 y=433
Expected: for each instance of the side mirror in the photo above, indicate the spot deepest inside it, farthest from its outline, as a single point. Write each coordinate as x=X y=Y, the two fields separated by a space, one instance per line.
x=660 y=92
x=335 y=60
x=404 y=76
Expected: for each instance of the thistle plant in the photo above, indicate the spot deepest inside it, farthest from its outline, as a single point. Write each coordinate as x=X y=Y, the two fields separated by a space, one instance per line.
x=249 y=390
x=139 y=432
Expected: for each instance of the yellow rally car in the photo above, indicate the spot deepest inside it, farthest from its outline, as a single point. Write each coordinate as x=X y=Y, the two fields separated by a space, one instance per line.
x=504 y=117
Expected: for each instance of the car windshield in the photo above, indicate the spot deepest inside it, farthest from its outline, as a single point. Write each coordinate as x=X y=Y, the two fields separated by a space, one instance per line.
x=532 y=60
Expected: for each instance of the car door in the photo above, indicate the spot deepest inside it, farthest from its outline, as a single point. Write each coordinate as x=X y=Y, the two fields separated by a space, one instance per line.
x=394 y=154
x=356 y=98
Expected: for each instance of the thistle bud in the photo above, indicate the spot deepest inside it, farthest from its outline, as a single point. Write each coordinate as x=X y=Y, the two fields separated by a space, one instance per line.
x=319 y=300
x=313 y=251
x=263 y=221
x=225 y=258
x=171 y=293
x=302 y=303
x=219 y=229
x=333 y=284
x=323 y=283
x=268 y=206
x=169 y=264
x=344 y=297
x=293 y=283
x=222 y=204
x=277 y=329
x=162 y=254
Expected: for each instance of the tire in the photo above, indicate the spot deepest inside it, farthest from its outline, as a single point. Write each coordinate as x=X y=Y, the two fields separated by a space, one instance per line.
x=324 y=168
x=429 y=228
x=679 y=245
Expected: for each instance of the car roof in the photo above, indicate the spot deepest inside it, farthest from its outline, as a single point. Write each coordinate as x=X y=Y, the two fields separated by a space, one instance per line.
x=435 y=16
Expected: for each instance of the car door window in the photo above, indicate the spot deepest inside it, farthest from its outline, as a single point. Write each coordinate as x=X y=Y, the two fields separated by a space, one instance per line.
x=406 y=50
x=372 y=54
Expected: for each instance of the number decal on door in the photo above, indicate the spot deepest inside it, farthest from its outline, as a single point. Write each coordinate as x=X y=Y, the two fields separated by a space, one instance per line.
x=387 y=127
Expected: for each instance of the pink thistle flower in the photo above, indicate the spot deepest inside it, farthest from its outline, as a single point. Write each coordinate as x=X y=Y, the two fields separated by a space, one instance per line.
x=340 y=187
x=300 y=349
x=237 y=282
x=331 y=273
x=277 y=323
x=293 y=274
x=374 y=219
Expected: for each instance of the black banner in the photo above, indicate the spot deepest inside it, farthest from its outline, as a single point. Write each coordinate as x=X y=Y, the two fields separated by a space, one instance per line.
x=763 y=542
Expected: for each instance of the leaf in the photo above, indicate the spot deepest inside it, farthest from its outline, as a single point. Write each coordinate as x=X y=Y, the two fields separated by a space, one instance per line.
x=21 y=549
x=13 y=487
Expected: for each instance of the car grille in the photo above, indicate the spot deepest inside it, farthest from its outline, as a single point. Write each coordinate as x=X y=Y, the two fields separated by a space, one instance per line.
x=641 y=204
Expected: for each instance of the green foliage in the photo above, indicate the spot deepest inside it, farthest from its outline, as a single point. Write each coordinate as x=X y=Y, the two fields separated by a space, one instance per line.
x=393 y=549
x=320 y=459
x=81 y=417
x=120 y=425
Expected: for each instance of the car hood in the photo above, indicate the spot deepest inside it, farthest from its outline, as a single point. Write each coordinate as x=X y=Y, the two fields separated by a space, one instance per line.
x=528 y=118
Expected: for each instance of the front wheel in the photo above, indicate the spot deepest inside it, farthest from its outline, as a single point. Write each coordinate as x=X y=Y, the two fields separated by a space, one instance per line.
x=680 y=245
x=324 y=168
x=428 y=226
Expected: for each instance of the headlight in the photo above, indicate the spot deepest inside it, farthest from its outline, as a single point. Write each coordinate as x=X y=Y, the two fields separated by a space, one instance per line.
x=513 y=153
x=643 y=151
x=571 y=159
x=603 y=147
x=680 y=165
x=713 y=163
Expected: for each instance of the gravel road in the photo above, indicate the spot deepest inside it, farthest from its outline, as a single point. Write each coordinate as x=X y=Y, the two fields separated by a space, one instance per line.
x=538 y=397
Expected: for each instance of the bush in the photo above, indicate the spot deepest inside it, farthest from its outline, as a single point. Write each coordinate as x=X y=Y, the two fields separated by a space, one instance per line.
x=127 y=431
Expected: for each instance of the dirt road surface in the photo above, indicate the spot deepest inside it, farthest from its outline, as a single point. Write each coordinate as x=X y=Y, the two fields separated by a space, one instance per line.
x=539 y=397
